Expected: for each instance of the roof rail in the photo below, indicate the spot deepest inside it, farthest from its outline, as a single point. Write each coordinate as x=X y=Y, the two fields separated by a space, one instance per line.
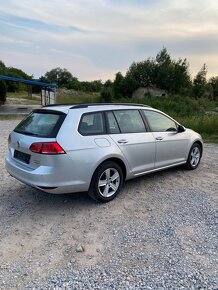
x=54 y=105
x=85 y=105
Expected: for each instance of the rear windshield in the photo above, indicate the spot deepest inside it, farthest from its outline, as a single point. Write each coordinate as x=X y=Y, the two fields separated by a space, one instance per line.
x=41 y=124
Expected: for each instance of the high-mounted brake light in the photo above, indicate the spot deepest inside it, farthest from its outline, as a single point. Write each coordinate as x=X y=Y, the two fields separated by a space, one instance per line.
x=47 y=148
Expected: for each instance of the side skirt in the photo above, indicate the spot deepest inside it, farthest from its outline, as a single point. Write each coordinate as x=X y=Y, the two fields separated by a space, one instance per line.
x=160 y=168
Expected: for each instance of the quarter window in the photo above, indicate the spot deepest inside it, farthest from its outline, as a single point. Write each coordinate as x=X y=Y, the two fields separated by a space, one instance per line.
x=129 y=121
x=159 y=122
x=92 y=124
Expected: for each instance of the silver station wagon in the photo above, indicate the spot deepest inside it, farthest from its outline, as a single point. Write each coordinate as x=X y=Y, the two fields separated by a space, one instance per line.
x=95 y=147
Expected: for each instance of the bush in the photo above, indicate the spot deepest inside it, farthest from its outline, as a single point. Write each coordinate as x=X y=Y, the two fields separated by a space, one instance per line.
x=3 y=92
x=202 y=124
x=106 y=95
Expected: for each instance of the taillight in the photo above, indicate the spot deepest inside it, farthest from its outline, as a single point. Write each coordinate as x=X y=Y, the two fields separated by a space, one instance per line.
x=47 y=148
x=9 y=139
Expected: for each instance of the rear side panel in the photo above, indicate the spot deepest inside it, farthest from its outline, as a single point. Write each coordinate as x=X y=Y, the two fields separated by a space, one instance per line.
x=86 y=152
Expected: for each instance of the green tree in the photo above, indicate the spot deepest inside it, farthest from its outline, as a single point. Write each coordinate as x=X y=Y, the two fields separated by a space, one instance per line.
x=2 y=67
x=143 y=73
x=171 y=75
x=181 y=80
x=93 y=86
x=164 y=70
x=62 y=77
x=118 y=86
x=96 y=85
x=130 y=84
x=161 y=72
x=214 y=83
x=163 y=57
x=3 y=91
x=106 y=95
x=18 y=73
x=200 y=83
x=108 y=84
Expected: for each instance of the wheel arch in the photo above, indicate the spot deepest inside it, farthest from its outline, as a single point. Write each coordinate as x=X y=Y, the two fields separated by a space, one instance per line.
x=120 y=163
x=200 y=144
x=117 y=160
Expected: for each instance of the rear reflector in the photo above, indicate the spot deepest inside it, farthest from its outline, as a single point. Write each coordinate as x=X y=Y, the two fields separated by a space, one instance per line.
x=47 y=148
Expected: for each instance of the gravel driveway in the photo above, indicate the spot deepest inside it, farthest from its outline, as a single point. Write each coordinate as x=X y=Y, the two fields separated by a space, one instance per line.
x=161 y=232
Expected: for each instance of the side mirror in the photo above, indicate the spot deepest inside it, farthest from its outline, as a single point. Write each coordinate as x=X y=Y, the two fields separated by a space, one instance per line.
x=180 y=129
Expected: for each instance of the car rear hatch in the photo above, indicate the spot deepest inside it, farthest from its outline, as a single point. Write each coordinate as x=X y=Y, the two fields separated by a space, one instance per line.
x=33 y=141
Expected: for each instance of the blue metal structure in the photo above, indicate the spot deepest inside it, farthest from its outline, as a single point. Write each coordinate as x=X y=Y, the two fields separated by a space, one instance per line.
x=29 y=82
x=48 y=92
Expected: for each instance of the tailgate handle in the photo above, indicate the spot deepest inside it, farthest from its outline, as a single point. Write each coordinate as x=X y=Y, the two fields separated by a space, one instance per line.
x=122 y=141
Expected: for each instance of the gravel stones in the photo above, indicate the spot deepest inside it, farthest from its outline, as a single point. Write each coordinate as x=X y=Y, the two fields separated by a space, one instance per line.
x=80 y=249
x=161 y=232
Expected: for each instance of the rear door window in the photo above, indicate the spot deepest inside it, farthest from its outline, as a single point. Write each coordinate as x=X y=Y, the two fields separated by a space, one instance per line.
x=129 y=121
x=41 y=124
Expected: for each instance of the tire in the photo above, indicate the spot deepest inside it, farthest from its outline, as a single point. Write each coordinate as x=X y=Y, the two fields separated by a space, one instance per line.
x=106 y=182
x=194 y=157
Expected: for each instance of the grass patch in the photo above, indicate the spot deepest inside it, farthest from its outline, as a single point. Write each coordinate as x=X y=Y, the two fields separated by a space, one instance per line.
x=210 y=139
x=206 y=125
x=176 y=106
x=83 y=98
x=23 y=95
x=23 y=98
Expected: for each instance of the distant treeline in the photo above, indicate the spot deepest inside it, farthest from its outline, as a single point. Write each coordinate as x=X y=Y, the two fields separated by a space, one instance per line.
x=161 y=72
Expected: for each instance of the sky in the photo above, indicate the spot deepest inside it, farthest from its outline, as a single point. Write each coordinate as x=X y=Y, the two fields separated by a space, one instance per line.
x=95 y=39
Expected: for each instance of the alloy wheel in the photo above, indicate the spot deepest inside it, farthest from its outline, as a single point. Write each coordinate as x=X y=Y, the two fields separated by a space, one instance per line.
x=109 y=182
x=195 y=156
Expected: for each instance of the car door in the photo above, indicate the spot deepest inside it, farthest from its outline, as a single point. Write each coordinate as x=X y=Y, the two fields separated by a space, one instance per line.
x=171 y=146
x=128 y=131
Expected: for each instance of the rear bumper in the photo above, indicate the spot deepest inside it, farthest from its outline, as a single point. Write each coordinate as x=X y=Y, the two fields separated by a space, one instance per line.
x=47 y=176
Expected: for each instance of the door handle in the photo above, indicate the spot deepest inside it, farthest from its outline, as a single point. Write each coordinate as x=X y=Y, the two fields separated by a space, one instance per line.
x=159 y=138
x=122 y=141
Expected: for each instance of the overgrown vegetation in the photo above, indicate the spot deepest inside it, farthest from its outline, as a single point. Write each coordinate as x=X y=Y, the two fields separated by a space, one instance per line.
x=84 y=98
x=63 y=78
x=187 y=99
x=206 y=125
x=188 y=111
x=13 y=72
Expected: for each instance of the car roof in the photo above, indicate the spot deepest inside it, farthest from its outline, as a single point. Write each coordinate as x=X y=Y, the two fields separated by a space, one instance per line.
x=94 y=106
